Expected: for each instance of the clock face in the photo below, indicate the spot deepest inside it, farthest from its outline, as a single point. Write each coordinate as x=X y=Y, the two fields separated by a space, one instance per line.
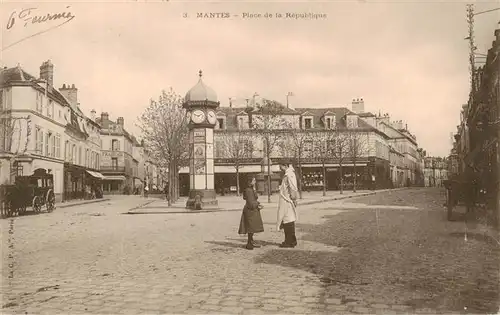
x=198 y=116
x=211 y=117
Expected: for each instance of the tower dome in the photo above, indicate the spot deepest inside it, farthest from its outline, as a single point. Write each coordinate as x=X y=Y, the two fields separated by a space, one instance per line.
x=201 y=92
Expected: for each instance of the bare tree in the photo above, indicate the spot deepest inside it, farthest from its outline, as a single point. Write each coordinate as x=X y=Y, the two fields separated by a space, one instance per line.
x=267 y=121
x=165 y=130
x=358 y=147
x=321 y=148
x=15 y=134
x=338 y=146
x=298 y=139
x=236 y=146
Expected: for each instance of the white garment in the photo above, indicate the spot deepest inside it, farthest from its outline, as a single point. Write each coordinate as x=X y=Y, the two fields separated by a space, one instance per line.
x=287 y=211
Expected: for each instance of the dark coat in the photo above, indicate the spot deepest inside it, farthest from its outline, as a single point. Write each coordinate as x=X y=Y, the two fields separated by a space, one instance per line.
x=251 y=220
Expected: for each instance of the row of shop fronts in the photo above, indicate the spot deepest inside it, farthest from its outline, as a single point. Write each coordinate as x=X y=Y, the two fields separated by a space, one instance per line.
x=371 y=173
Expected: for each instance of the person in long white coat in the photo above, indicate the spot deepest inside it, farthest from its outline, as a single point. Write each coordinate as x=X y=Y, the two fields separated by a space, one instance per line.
x=287 y=205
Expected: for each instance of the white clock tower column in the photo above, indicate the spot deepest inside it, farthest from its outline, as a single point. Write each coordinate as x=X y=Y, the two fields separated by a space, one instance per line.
x=201 y=103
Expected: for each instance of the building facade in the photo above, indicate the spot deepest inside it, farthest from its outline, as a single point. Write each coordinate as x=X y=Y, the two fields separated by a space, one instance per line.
x=435 y=171
x=43 y=128
x=335 y=143
x=117 y=162
x=476 y=154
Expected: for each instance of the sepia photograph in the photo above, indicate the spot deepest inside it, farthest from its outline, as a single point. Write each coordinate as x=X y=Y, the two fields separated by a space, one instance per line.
x=250 y=157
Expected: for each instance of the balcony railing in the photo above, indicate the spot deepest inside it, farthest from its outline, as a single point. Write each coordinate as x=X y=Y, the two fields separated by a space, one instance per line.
x=112 y=169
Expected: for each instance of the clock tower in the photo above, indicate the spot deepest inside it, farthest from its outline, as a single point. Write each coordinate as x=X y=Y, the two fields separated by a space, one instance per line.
x=201 y=103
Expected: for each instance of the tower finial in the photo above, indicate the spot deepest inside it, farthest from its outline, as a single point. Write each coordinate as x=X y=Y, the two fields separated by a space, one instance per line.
x=200 y=73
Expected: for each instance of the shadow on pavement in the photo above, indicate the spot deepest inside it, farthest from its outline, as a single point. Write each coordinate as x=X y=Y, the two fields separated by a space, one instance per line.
x=412 y=258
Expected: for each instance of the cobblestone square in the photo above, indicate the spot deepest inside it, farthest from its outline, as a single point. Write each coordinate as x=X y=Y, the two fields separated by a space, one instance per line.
x=389 y=253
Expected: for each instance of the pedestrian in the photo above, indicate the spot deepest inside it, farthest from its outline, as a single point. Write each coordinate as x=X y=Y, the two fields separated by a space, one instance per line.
x=251 y=220
x=146 y=190
x=287 y=205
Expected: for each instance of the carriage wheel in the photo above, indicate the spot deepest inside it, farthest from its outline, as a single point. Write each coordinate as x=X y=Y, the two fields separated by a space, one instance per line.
x=37 y=204
x=51 y=201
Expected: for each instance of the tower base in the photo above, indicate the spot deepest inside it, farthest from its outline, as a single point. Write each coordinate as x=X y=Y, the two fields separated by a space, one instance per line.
x=202 y=199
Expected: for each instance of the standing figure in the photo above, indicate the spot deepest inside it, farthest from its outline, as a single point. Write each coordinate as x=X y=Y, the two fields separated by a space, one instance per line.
x=287 y=205
x=251 y=220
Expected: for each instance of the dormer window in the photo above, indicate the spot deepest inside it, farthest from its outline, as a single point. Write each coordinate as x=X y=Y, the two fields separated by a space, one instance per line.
x=221 y=122
x=329 y=122
x=307 y=123
x=352 y=121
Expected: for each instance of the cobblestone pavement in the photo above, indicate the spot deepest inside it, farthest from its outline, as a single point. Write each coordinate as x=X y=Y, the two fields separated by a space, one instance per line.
x=393 y=252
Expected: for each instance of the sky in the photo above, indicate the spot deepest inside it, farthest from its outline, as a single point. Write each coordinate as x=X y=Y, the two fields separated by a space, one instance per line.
x=406 y=58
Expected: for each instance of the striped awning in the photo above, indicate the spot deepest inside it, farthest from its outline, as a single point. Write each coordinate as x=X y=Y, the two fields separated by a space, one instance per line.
x=96 y=174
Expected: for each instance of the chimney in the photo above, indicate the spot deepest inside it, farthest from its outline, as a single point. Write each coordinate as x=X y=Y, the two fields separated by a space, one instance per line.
x=104 y=117
x=120 y=121
x=230 y=103
x=47 y=72
x=92 y=114
x=70 y=93
x=358 y=105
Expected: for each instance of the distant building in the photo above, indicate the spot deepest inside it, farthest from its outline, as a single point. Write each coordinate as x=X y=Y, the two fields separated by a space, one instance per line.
x=117 y=162
x=435 y=171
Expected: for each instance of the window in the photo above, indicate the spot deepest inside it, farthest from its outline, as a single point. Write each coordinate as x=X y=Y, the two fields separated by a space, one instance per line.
x=53 y=145
x=247 y=148
x=221 y=124
x=97 y=161
x=58 y=146
x=39 y=140
x=240 y=123
x=330 y=146
x=80 y=155
x=219 y=148
x=87 y=160
x=60 y=114
x=328 y=123
x=47 y=148
x=114 y=163
x=307 y=123
x=115 y=145
x=50 y=109
x=66 y=151
x=38 y=102
x=73 y=154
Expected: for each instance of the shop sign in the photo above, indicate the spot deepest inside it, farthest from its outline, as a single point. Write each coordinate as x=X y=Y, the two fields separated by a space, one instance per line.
x=331 y=169
x=112 y=153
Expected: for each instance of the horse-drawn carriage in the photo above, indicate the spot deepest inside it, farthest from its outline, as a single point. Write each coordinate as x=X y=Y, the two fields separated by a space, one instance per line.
x=34 y=191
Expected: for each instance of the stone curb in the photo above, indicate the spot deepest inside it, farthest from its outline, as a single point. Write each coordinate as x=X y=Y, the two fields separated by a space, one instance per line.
x=226 y=210
x=67 y=205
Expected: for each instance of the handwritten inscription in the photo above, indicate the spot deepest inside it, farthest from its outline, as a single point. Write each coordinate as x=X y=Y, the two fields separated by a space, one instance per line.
x=28 y=17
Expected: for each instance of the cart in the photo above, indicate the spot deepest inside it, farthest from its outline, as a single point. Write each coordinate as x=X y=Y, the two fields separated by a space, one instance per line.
x=34 y=191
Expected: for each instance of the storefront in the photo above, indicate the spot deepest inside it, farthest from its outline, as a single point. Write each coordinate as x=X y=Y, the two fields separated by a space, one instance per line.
x=93 y=185
x=74 y=181
x=114 y=184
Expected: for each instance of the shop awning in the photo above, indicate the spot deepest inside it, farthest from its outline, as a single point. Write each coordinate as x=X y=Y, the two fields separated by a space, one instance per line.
x=96 y=174
x=116 y=177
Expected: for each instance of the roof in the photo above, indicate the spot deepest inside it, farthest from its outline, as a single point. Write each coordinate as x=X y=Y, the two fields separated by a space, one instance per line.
x=317 y=113
x=200 y=92
x=18 y=77
x=366 y=114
